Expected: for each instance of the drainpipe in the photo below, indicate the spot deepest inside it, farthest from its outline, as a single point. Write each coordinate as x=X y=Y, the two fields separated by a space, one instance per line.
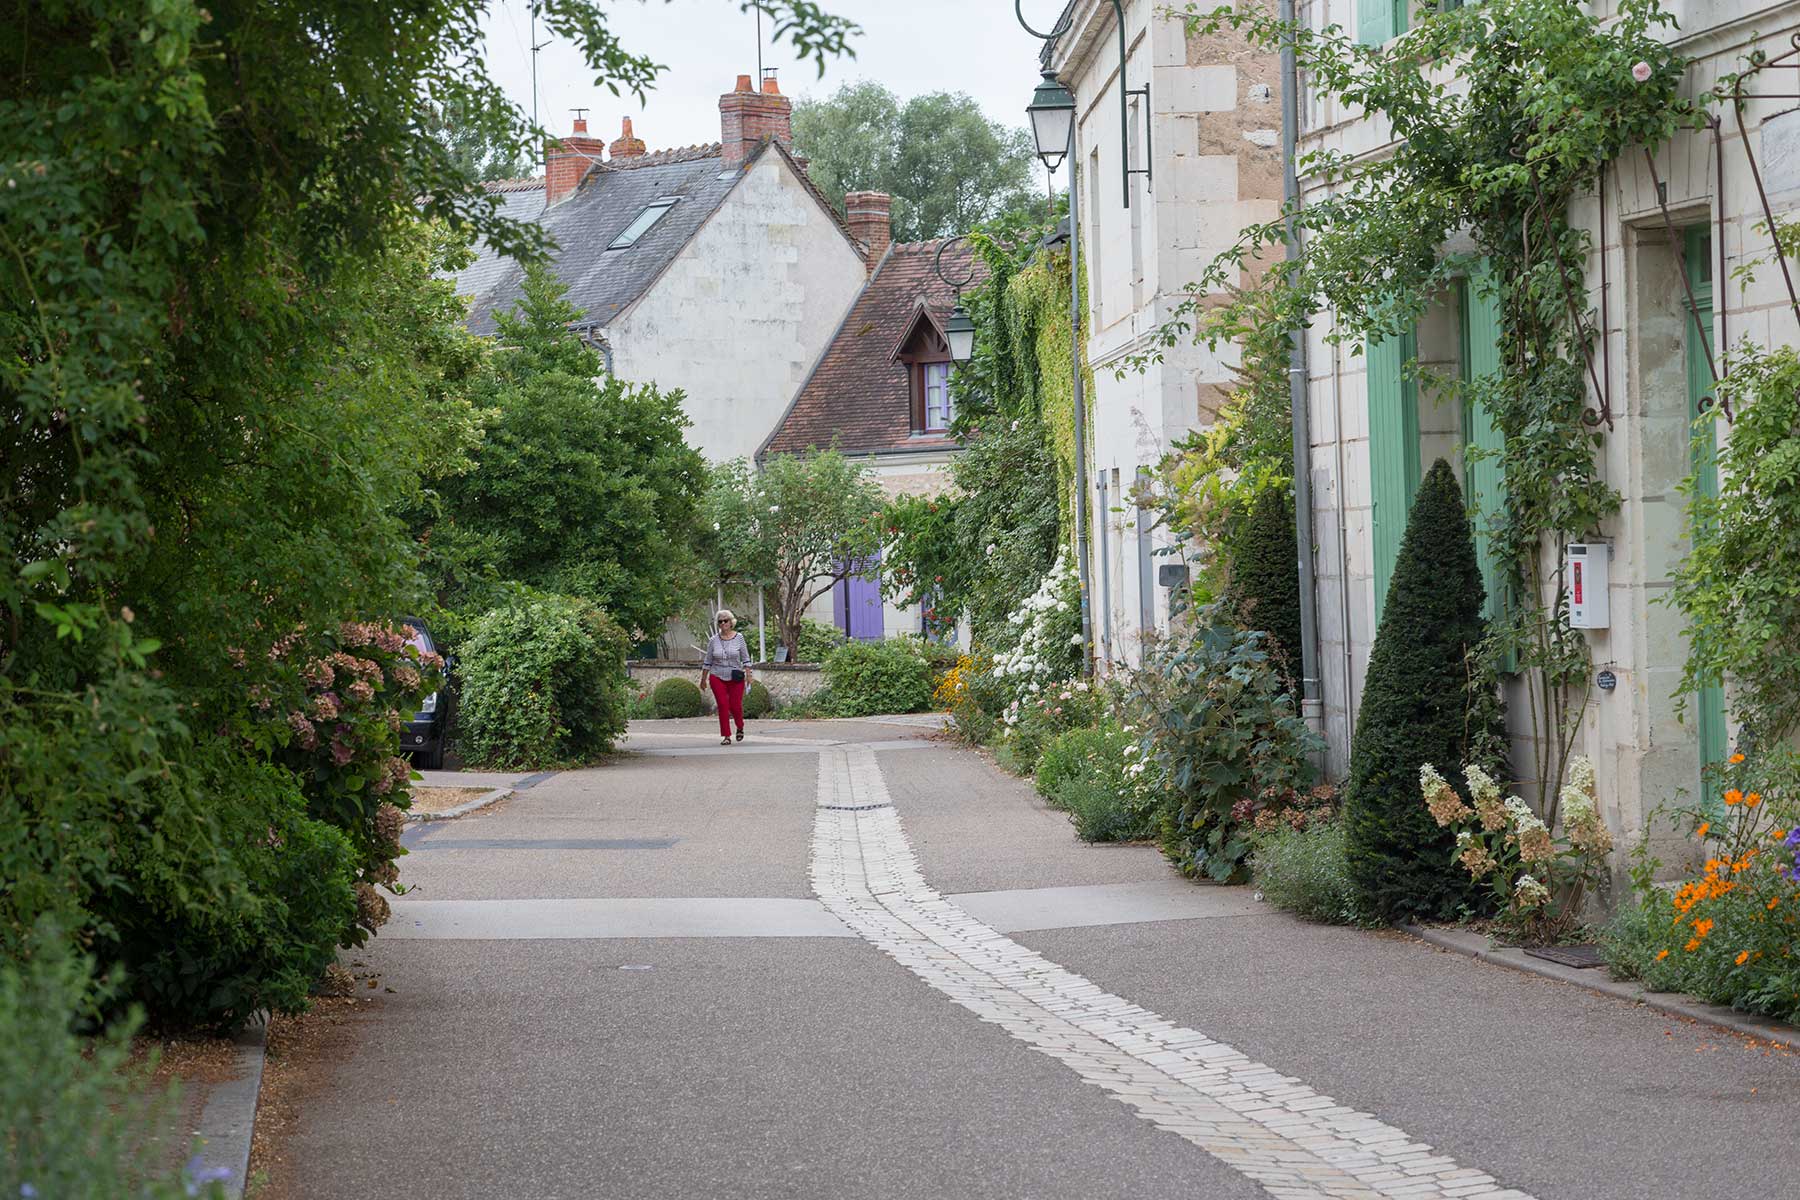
x=1081 y=505
x=1310 y=705
x=1106 y=651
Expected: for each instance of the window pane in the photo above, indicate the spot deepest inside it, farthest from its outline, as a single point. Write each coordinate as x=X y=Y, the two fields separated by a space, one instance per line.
x=938 y=408
x=641 y=225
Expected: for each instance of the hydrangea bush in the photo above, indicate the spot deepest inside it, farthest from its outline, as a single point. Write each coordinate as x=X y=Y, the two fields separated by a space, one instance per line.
x=334 y=706
x=1537 y=880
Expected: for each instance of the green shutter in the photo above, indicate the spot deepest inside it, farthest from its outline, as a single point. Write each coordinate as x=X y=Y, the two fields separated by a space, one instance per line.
x=1711 y=730
x=1485 y=480
x=1375 y=21
x=1393 y=453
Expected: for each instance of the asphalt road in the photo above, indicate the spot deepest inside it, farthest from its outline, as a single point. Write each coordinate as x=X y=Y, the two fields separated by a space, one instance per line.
x=795 y=1065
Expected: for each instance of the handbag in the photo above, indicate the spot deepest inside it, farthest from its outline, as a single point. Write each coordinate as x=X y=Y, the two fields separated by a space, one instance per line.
x=737 y=677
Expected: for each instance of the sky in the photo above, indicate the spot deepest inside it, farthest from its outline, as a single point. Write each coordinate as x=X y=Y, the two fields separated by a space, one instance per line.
x=911 y=46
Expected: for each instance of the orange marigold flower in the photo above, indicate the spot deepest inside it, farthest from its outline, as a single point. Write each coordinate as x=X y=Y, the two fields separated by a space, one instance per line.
x=1743 y=957
x=1736 y=759
x=1773 y=903
x=1753 y=799
x=1661 y=954
x=1703 y=927
x=1693 y=944
x=1733 y=796
x=1704 y=826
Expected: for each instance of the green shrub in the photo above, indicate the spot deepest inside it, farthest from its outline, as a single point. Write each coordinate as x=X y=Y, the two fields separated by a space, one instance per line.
x=77 y=1121
x=543 y=682
x=1046 y=715
x=263 y=941
x=1070 y=755
x=817 y=706
x=1100 y=810
x=1416 y=709
x=757 y=701
x=639 y=706
x=817 y=639
x=870 y=678
x=1304 y=871
x=677 y=698
x=1265 y=580
x=1219 y=730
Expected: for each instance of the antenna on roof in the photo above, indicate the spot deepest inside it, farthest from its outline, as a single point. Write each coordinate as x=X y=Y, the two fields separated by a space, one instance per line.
x=535 y=47
x=759 y=66
x=580 y=113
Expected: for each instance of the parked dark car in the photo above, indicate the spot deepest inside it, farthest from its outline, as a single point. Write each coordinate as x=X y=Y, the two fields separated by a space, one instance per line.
x=424 y=736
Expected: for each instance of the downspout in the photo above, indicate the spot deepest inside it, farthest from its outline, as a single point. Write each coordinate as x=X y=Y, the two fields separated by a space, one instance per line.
x=1106 y=651
x=1310 y=706
x=1080 y=401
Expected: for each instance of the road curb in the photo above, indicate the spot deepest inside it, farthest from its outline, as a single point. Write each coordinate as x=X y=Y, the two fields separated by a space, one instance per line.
x=1594 y=979
x=229 y=1117
x=461 y=810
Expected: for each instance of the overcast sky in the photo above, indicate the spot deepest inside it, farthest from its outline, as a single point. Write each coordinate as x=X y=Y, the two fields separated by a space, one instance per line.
x=911 y=46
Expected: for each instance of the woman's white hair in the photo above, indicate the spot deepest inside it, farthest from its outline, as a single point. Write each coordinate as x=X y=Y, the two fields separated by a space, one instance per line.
x=724 y=614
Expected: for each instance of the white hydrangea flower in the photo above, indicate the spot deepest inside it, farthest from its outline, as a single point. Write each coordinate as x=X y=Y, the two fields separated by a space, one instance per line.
x=1577 y=795
x=1482 y=787
x=1529 y=893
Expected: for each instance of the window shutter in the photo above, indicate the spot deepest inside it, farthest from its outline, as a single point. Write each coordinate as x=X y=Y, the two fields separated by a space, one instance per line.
x=1486 y=480
x=1374 y=21
x=1393 y=454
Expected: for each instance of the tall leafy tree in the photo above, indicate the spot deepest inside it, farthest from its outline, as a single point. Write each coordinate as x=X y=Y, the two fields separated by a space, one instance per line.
x=229 y=363
x=948 y=167
x=803 y=523
x=584 y=484
x=473 y=148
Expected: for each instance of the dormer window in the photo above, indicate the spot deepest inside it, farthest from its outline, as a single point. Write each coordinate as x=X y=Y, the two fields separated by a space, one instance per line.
x=940 y=409
x=642 y=223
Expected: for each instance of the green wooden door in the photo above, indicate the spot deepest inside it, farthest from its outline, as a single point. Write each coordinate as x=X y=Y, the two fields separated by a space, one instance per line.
x=1394 y=472
x=1710 y=709
x=1484 y=481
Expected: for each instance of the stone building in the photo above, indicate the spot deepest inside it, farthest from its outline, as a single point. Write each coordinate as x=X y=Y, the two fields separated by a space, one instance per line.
x=881 y=391
x=1209 y=131
x=1694 y=212
x=719 y=269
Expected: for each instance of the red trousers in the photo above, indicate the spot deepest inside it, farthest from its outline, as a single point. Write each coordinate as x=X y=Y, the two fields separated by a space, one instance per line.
x=729 y=695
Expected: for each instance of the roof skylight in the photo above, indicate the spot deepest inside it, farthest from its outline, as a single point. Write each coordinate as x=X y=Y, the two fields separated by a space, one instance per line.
x=640 y=225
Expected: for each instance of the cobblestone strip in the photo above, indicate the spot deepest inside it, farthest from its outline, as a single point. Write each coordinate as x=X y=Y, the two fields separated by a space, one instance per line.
x=1268 y=1126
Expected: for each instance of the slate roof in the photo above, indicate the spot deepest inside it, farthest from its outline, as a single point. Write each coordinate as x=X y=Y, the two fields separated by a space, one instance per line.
x=520 y=200
x=857 y=393
x=603 y=283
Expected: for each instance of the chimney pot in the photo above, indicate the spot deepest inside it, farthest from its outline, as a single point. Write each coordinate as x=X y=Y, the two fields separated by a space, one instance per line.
x=769 y=86
x=566 y=160
x=627 y=146
x=747 y=118
x=870 y=218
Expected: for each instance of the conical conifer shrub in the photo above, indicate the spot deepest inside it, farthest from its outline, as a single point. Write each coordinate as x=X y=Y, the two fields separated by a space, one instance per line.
x=1416 y=709
x=1265 y=581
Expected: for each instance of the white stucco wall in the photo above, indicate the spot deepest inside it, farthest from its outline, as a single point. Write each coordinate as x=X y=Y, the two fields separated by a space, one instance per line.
x=1215 y=171
x=1645 y=756
x=744 y=311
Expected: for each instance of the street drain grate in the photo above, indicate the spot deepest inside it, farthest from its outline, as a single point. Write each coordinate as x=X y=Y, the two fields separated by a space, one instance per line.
x=854 y=807
x=1580 y=957
x=442 y=843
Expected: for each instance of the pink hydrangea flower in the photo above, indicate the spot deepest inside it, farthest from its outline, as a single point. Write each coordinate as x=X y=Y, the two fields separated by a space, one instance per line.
x=341 y=754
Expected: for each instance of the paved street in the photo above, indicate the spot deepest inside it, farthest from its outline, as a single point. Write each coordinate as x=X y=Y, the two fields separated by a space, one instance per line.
x=845 y=960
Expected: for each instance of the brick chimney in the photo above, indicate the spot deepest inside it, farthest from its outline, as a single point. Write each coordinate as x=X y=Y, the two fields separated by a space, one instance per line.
x=870 y=217
x=627 y=146
x=748 y=117
x=567 y=160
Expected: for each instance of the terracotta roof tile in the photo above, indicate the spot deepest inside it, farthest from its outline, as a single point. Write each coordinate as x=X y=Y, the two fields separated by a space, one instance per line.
x=856 y=393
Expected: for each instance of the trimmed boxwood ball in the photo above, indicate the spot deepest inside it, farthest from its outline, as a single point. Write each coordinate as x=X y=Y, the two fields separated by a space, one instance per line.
x=1265 y=581
x=757 y=701
x=677 y=698
x=1417 y=709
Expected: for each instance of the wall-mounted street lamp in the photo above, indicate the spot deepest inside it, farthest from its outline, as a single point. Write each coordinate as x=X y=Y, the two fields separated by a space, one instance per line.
x=960 y=329
x=1051 y=108
x=1052 y=113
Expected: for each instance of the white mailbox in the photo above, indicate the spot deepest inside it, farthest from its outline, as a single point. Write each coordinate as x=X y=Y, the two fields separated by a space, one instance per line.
x=1586 y=573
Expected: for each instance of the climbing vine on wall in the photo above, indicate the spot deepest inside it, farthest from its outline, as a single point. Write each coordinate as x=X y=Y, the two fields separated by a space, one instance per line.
x=1503 y=114
x=984 y=548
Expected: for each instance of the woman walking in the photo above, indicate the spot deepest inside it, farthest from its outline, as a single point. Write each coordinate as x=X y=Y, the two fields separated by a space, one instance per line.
x=726 y=668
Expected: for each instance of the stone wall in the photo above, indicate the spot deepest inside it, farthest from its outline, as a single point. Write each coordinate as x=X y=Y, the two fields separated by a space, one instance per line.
x=786 y=682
